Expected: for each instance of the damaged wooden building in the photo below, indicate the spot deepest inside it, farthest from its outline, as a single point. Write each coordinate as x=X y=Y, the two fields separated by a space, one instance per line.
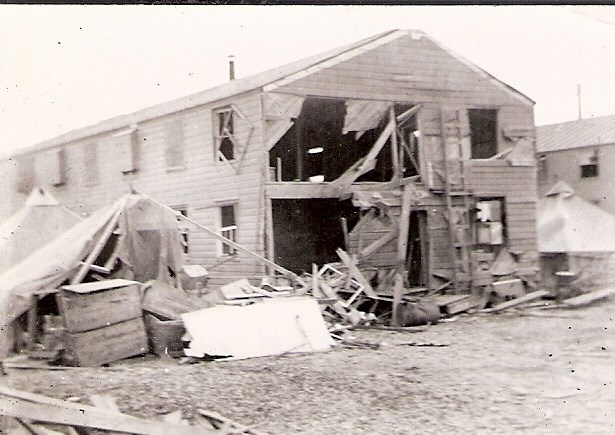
x=393 y=148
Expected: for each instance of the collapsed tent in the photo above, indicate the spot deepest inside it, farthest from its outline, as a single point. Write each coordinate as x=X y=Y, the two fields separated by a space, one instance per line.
x=135 y=238
x=576 y=236
x=40 y=220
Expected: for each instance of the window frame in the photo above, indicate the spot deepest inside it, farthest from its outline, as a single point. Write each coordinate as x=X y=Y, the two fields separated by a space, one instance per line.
x=222 y=249
x=174 y=144
x=496 y=138
x=91 y=171
x=591 y=167
x=224 y=129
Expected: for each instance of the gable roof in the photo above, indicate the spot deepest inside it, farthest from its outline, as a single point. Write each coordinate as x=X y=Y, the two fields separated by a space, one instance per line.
x=257 y=81
x=576 y=134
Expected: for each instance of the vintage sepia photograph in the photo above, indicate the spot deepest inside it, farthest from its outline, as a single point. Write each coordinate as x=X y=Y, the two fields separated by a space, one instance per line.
x=307 y=219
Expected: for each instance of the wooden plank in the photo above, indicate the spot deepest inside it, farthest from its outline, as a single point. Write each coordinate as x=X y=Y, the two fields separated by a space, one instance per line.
x=402 y=248
x=89 y=416
x=356 y=273
x=168 y=302
x=519 y=301
x=589 y=298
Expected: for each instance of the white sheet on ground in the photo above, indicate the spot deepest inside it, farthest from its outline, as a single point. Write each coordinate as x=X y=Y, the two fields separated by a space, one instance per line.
x=272 y=327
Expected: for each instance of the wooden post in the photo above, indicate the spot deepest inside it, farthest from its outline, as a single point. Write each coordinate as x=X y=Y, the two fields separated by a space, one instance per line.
x=402 y=248
x=32 y=321
x=394 y=146
x=299 y=149
x=344 y=223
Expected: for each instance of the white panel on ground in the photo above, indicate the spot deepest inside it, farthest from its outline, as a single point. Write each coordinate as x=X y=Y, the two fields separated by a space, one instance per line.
x=272 y=327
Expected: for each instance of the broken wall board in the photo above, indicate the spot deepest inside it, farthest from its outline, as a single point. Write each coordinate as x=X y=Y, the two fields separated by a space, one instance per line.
x=539 y=294
x=589 y=298
x=272 y=327
x=165 y=336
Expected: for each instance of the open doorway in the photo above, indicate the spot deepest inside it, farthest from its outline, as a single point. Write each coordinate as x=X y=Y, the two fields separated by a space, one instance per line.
x=309 y=231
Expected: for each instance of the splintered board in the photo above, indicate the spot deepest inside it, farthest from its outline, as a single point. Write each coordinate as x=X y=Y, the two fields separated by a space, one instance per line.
x=112 y=343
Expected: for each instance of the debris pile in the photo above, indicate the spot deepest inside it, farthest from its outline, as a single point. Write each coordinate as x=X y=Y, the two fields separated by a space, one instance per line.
x=23 y=412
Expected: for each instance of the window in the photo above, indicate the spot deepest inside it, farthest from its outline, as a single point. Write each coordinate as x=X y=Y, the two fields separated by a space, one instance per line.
x=228 y=229
x=490 y=222
x=224 y=120
x=542 y=169
x=175 y=145
x=26 y=176
x=56 y=167
x=183 y=228
x=90 y=163
x=483 y=133
x=589 y=166
x=126 y=149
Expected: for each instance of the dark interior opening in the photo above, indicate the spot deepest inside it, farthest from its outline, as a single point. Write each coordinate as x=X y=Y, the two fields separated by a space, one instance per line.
x=483 y=132
x=417 y=276
x=314 y=149
x=309 y=231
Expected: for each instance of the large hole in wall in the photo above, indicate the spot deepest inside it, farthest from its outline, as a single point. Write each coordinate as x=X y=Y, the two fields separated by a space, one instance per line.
x=309 y=231
x=314 y=148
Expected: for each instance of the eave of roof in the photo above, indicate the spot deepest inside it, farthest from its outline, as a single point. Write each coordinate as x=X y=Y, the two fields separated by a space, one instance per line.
x=241 y=86
x=582 y=133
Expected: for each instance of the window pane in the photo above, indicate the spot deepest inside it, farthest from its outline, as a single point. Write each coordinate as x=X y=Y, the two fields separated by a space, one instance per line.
x=228 y=215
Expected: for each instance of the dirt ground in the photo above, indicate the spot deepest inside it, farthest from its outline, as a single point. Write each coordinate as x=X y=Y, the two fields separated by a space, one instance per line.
x=551 y=372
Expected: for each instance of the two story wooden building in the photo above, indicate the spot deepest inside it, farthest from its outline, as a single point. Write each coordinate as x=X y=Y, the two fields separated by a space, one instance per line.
x=342 y=149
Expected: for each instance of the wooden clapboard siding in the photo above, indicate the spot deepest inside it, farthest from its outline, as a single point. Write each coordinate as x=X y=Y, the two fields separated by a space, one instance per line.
x=405 y=70
x=517 y=185
x=201 y=185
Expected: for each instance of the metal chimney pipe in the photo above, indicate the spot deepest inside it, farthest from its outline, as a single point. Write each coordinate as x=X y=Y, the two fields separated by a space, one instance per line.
x=579 y=100
x=231 y=67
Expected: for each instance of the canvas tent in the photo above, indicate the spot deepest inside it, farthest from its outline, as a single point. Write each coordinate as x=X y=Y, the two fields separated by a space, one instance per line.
x=135 y=238
x=40 y=220
x=575 y=235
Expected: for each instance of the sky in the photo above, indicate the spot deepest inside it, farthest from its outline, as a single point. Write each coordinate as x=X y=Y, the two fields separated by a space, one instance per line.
x=65 y=67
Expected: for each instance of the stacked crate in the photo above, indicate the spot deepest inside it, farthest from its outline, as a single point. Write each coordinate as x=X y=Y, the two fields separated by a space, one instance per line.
x=103 y=321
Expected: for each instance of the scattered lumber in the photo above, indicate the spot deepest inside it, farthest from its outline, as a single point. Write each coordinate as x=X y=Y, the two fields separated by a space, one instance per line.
x=37 y=408
x=589 y=298
x=228 y=426
x=539 y=294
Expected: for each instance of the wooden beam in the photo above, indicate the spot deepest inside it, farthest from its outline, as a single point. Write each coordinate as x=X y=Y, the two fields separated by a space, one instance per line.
x=91 y=417
x=402 y=248
x=394 y=147
x=371 y=249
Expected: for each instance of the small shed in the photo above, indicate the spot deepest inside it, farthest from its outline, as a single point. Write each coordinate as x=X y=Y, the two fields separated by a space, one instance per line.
x=576 y=236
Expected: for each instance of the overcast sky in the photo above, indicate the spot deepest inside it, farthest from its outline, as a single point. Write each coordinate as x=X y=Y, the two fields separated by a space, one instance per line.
x=65 y=67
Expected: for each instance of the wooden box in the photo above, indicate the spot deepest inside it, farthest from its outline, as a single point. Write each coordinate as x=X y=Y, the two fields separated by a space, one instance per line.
x=165 y=336
x=105 y=345
x=94 y=305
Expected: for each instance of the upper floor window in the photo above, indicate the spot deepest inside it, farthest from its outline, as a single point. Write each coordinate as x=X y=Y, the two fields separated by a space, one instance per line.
x=183 y=228
x=175 y=144
x=224 y=133
x=483 y=133
x=90 y=163
x=26 y=175
x=589 y=165
x=57 y=168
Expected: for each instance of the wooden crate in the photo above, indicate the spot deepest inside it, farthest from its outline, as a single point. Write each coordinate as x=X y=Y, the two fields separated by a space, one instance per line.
x=105 y=345
x=85 y=307
x=165 y=336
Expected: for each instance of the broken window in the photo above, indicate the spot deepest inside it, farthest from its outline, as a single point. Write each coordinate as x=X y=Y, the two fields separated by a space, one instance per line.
x=224 y=119
x=183 y=228
x=228 y=229
x=90 y=163
x=490 y=222
x=483 y=133
x=542 y=169
x=175 y=145
x=26 y=175
x=589 y=165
